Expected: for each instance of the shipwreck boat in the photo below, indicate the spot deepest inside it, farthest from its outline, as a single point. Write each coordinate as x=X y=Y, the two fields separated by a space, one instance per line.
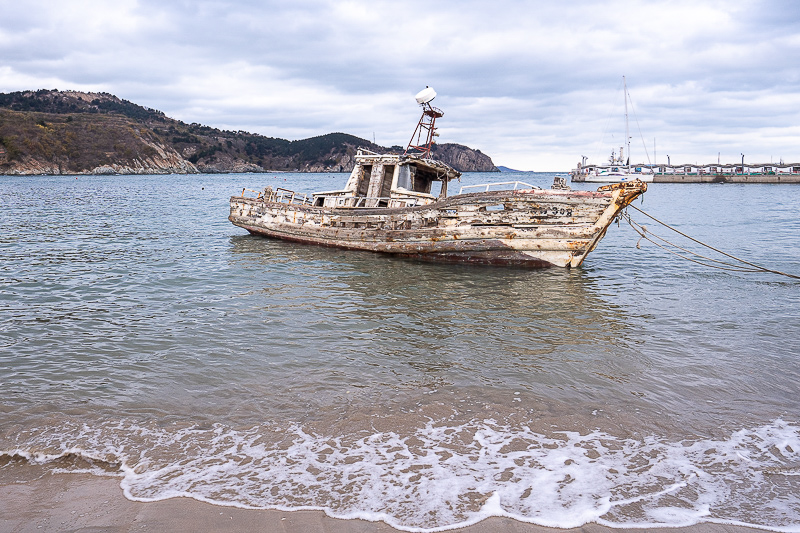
x=387 y=206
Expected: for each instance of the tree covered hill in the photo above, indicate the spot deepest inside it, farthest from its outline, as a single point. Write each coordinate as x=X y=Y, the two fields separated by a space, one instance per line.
x=72 y=132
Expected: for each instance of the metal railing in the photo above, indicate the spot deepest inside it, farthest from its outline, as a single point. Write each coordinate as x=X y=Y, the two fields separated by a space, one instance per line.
x=290 y=197
x=516 y=185
x=281 y=195
x=287 y=196
x=373 y=201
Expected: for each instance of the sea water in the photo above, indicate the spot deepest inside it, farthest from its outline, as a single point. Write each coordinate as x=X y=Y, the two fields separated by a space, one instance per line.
x=144 y=336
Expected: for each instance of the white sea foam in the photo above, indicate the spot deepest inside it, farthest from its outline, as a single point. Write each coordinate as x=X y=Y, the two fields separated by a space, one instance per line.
x=444 y=476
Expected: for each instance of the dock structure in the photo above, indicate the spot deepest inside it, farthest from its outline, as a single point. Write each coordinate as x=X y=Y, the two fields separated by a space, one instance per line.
x=726 y=178
x=696 y=173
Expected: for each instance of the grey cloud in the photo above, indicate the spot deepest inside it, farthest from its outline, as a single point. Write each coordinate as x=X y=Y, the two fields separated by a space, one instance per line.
x=513 y=77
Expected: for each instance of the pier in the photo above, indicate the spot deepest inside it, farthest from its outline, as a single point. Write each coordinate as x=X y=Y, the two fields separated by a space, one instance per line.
x=726 y=178
x=691 y=173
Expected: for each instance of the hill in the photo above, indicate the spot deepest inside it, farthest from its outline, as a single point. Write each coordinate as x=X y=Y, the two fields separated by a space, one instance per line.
x=71 y=132
x=501 y=168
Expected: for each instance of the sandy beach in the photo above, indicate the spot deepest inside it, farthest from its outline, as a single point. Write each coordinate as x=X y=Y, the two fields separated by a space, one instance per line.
x=86 y=503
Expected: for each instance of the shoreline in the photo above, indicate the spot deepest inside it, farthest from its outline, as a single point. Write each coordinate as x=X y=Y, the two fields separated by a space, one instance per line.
x=84 y=502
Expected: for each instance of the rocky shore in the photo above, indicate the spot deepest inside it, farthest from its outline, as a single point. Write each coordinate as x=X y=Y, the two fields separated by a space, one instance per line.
x=73 y=133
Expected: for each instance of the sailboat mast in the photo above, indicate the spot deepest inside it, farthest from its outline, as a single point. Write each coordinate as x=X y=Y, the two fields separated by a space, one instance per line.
x=627 y=133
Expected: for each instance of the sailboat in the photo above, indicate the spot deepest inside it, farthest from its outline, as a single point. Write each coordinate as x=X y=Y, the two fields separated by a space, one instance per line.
x=618 y=168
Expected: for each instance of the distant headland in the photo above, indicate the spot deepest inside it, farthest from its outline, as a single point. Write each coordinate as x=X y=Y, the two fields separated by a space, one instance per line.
x=72 y=132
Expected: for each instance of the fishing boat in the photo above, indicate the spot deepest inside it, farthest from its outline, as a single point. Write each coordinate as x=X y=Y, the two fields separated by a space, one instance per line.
x=618 y=168
x=615 y=172
x=387 y=206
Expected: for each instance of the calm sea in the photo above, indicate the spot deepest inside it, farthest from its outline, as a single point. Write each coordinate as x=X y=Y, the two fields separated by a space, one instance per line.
x=144 y=336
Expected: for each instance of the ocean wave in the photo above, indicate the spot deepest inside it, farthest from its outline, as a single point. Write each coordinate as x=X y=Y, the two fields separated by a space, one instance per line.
x=442 y=475
x=71 y=460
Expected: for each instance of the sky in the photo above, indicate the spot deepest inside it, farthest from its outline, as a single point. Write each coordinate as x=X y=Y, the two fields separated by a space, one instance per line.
x=535 y=85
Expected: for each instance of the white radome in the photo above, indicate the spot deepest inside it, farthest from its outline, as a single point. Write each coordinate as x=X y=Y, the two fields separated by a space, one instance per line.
x=425 y=95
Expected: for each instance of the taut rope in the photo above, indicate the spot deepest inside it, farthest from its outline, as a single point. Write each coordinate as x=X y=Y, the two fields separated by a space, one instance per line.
x=644 y=233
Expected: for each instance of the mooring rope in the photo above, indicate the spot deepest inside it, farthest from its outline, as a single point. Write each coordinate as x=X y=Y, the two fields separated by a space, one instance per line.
x=644 y=233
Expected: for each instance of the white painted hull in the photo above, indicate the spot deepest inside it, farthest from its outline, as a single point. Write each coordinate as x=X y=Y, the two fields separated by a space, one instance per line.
x=617 y=178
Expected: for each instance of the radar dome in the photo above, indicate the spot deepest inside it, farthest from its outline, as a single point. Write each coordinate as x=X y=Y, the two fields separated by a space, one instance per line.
x=425 y=95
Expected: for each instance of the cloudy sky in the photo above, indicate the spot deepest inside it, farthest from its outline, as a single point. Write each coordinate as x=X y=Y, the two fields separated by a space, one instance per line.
x=535 y=85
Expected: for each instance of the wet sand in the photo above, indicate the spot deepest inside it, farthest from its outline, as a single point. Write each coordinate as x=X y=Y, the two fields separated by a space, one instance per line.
x=87 y=503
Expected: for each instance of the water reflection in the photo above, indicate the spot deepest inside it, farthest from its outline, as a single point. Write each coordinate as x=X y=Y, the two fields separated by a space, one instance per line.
x=411 y=323
x=608 y=336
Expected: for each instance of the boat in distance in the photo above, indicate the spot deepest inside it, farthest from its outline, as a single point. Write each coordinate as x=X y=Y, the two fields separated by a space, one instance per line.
x=618 y=169
x=387 y=206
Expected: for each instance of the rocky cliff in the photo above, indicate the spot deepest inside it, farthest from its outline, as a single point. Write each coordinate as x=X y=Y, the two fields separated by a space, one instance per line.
x=71 y=132
x=460 y=157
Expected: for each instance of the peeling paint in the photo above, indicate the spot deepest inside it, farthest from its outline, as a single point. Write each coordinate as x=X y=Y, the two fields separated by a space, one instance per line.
x=536 y=227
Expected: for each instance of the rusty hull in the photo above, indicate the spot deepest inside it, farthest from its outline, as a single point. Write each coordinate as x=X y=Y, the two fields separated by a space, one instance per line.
x=531 y=227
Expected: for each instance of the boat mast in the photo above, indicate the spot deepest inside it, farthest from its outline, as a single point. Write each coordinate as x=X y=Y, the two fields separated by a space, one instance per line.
x=426 y=125
x=627 y=133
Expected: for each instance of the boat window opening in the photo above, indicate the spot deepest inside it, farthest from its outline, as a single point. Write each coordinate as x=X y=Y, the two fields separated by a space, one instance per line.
x=380 y=185
x=796 y=170
x=405 y=177
x=386 y=185
x=498 y=207
x=422 y=181
x=363 y=180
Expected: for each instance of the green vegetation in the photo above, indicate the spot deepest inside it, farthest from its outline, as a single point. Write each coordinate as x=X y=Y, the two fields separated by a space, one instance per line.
x=55 y=102
x=76 y=132
x=73 y=143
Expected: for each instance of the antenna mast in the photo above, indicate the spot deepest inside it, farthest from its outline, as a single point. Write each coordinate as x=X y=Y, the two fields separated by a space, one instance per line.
x=426 y=127
x=627 y=133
